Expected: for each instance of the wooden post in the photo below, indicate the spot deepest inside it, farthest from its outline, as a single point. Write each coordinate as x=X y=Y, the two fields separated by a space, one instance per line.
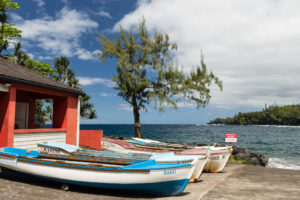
x=7 y=117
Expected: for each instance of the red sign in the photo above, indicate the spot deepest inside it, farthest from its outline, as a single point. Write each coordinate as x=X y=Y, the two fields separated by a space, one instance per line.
x=230 y=137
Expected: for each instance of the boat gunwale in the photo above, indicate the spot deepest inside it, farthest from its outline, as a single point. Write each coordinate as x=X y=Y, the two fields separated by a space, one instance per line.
x=86 y=159
x=75 y=166
x=82 y=166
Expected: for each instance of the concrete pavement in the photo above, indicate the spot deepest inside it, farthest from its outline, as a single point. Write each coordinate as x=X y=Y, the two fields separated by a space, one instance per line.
x=236 y=182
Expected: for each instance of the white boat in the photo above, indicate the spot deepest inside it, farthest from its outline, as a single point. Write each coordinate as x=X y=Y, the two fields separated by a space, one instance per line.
x=171 y=158
x=142 y=141
x=216 y=163
x=168 y=157
x=125 y=147
x=143 y=176
x=146 y=140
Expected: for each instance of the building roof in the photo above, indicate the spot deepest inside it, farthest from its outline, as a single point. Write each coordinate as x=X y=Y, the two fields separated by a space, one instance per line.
x=15 y=73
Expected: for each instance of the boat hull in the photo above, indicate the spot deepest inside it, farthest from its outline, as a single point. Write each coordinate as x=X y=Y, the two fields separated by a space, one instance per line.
x=198 y=169
x=167 y=188
x=164 y=182
x=217 y=159
x=217 y=162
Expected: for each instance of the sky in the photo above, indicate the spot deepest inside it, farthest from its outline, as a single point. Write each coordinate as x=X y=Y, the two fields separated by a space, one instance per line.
x=253 y=46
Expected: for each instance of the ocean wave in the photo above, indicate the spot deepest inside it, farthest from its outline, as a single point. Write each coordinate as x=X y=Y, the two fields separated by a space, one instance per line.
x=279 y=126
x=283 y=163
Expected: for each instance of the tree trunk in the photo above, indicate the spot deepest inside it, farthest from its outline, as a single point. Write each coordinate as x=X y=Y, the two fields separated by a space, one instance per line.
x=137 y=124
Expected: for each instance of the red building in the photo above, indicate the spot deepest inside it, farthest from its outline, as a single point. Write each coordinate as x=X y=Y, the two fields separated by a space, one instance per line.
x=20 y=88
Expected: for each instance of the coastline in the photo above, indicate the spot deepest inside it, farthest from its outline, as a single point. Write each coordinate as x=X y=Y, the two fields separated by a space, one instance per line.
x=236 y=182
x=269 y=141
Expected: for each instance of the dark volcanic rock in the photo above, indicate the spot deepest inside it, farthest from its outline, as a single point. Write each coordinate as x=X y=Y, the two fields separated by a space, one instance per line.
x=244 y=154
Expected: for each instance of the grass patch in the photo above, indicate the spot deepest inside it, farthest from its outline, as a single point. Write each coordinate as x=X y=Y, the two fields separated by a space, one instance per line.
x=244 y=162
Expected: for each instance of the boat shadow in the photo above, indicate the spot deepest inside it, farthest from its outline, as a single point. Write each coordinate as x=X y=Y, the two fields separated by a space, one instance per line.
x=35 y=181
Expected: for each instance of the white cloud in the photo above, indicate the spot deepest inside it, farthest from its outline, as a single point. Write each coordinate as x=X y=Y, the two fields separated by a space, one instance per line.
x=103 y=94
x=40 y=3
x=60 y=35
x=103 y=13
x=97 y=52
x=84 y=54
x=182 y=104
x=92 y=81
x=45 y=58
x=252 y=45
x=125 y=107
x=15 y=18
x=30 y=55
x=186 y=105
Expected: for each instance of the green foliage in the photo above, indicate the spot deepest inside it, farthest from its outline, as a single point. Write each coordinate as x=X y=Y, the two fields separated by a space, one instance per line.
x=87 y=109
x=43 y=112
x=67 y=76
x=234 y=159
x=7 y=30
x=272 y=115
x=43 y=107
x=146 y=72
x=62 y=73
x=20 y=57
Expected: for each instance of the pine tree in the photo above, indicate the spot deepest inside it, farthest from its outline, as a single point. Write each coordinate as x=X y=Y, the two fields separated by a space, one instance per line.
x=146 y=72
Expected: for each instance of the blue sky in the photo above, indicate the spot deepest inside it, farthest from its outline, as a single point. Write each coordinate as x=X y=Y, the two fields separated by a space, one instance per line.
x=253 y=46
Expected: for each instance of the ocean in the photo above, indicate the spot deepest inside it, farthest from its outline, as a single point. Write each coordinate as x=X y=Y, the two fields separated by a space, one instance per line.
x=281 y=144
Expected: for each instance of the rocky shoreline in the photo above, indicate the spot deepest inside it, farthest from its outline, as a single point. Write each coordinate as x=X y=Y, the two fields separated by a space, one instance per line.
x=242 y=154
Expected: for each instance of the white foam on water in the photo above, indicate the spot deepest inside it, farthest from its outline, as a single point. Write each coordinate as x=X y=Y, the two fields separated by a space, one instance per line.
x=280 y=126
x=283 y=164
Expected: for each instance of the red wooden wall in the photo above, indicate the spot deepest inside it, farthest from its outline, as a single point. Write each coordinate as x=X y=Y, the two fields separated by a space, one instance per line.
x=64 y=111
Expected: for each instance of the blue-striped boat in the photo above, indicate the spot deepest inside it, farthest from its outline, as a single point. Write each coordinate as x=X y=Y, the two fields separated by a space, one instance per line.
x=142 y=176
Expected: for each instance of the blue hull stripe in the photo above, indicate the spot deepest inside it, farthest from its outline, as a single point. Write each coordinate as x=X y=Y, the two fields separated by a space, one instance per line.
x=160 y=188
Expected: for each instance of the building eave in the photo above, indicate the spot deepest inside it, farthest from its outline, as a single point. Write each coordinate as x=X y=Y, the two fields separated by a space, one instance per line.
x=40 y=85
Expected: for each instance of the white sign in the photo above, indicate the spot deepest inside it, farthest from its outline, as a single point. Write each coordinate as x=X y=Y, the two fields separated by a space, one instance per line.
x=230 y=137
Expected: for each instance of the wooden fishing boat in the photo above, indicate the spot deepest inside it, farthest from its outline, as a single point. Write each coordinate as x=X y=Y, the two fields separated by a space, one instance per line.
x=171 y=157
x=168 y=157
x=141 y=176
x=216 y=162
x=143 y=141
x=126 y=147
x=217 y=159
